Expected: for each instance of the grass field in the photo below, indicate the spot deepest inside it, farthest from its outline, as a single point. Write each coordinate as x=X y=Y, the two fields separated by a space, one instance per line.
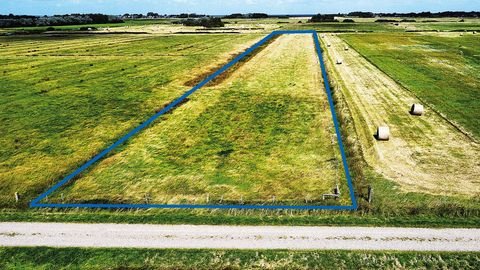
x=78 y=258
x=250 y=139
x=443 y=70
x=64 y=99
x=416 y=171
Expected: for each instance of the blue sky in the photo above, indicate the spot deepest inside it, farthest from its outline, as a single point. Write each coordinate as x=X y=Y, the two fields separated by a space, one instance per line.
x=218 y=7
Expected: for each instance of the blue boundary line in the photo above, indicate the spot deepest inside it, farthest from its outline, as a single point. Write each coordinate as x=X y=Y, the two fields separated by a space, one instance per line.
x=36 y=201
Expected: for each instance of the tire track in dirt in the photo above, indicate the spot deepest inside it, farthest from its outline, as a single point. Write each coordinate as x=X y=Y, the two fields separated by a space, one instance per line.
x=424 y=154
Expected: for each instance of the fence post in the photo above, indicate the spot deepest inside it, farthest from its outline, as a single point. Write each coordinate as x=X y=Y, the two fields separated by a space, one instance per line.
x=370 y=194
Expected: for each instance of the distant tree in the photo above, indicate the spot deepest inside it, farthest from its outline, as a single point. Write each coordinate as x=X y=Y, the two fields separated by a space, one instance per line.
x=56 y=20
x=323 y=18
x=235 y=16
x=152 y=15
x=257 y=15
x=348 y=21
x=205 y=22
x=385 y=20
x=361 y=14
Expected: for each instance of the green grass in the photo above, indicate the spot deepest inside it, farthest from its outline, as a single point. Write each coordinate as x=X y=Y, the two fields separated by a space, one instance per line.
x=444 y=71
x=81 y=258
x=445 y=26
x=249 y=140
x=65 y=99
x=250 y=217
x=57 y=110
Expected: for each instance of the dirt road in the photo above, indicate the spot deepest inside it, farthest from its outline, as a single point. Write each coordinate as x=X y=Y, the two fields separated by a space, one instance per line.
x=425 y=153
x=237 y=237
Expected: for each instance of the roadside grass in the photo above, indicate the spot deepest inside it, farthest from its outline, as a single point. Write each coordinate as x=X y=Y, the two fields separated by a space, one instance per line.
x=64 y=99
x=249 y=140
x=388 y=200
x=444 y=71
x=248 y=217
x=116 y=258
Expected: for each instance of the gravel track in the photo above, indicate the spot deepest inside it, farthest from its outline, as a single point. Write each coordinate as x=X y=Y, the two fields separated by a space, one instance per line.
x=237 y=237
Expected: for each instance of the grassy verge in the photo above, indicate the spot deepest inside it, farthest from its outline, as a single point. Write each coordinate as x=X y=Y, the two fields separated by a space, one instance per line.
x=81 y=258
x=242 y=217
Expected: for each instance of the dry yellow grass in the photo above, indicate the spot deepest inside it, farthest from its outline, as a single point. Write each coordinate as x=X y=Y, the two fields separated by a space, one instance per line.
x=425 y=154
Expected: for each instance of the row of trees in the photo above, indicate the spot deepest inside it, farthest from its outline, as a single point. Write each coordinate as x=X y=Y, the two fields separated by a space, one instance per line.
x=56 y=20
x=457 y=14
x=154 y=15
x=247 y=16
x=360 y=14
x=323 y=18
x=205 y=22
x=461 y=14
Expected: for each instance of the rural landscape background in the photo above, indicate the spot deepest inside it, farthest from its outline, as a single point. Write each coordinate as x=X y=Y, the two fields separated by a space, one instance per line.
x=260 y=134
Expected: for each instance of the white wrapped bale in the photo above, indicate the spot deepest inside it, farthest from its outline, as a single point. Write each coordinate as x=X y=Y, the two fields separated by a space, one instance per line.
x=339 y=61
x=416 y=109
x=383 y=133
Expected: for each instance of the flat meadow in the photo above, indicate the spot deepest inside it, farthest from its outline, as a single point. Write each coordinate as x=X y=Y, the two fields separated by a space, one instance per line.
x=65 y=98
x=262 y=134
x=442 y=69
x=249 y=139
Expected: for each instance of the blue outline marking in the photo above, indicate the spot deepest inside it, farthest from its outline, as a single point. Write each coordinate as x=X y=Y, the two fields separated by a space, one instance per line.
x=36 y=201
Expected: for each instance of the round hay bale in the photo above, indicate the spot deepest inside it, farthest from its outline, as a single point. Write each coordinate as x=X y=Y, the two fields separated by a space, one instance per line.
x=328 y=44
x=383 y=133
x=346 y=48
x=339 y=61
x=416 y=109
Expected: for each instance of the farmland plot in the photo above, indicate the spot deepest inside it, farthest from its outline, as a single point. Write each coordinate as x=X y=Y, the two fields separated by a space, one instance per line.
x=425 y=154
x=64 y=98
x=263 y=135
x=443 y=69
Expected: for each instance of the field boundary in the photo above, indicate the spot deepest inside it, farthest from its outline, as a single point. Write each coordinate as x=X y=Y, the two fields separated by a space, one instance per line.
x=36 y=202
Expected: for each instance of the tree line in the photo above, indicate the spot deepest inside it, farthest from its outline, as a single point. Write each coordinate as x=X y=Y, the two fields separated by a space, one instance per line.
x=56 y=20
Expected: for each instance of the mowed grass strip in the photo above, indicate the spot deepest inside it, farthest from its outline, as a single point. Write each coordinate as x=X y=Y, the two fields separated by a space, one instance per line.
x=263 y=136
x=63 y=99
x=128 y=258
x=443 y=70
